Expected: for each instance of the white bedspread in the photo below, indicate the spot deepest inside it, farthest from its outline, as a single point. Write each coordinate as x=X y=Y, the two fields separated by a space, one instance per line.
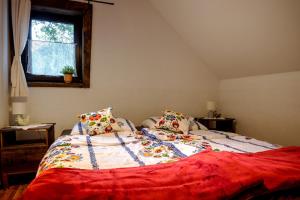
x=132 y=149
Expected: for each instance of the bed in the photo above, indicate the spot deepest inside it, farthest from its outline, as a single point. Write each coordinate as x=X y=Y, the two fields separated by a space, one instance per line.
x=158 y=164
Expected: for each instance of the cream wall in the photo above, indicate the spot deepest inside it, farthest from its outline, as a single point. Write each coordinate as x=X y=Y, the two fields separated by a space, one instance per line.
x=139 y=65
x=239 y=38
x=266 y=107
x=3 y=64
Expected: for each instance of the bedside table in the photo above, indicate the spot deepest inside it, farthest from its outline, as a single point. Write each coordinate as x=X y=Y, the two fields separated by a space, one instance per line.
x=219 y=124
x=66 y=132
x=22 y=150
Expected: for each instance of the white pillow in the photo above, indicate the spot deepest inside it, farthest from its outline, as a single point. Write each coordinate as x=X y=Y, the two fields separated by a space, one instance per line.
x=78 y=129
x=125 y=125
x=195 y=125
x=150 y=122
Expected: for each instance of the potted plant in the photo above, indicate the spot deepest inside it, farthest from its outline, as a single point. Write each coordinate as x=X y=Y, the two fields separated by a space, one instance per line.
x=68 y=72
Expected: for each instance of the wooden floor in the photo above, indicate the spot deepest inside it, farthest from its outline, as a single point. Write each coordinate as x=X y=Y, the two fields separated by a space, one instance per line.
x=13 y=192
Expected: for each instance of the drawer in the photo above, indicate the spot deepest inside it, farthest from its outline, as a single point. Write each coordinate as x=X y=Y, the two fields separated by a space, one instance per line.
x=22 y=157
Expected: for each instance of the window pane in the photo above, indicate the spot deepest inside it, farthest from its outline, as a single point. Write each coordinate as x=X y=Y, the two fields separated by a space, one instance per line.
x=52 y=31
x=51 y=48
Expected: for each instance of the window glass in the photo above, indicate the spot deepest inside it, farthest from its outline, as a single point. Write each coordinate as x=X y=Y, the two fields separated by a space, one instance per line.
x=51 y=47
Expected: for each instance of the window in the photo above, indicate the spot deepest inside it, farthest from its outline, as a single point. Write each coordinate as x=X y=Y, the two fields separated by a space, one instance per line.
x=59 y=35
x=51 y=47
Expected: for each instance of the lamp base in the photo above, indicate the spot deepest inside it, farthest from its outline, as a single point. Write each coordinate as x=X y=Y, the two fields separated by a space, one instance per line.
x=20 y=120
x=210 y=114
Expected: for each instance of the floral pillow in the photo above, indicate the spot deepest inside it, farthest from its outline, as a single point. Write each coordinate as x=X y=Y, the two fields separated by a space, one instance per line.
x=99 y=122
x=173 y=121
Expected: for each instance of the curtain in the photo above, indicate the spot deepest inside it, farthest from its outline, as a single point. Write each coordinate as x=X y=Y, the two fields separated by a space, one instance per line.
x=20 y=23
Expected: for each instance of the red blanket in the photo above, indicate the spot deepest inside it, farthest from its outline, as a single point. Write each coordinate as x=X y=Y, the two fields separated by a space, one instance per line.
x=207 y=175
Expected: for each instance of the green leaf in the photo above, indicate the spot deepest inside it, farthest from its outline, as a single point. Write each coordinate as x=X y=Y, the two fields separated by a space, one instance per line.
x=103 y=119
x=92 y=123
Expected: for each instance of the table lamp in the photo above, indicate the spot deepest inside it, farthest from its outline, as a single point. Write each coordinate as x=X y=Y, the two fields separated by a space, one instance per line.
x=211 y=107
x=19 y=113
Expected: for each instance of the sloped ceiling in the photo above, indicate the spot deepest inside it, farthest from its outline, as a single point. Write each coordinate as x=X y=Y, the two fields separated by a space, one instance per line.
x=237 y=38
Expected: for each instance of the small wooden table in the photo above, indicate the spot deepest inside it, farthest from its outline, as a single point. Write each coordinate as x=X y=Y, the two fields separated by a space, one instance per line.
x=220 y=124
x=22 y=150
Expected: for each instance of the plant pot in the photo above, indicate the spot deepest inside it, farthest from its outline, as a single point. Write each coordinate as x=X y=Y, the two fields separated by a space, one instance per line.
x=68 y=78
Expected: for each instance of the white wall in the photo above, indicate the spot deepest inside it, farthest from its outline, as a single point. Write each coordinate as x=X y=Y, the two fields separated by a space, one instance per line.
x=239 y=38
x=139 y=65
x=3 y=64
x=266 y=107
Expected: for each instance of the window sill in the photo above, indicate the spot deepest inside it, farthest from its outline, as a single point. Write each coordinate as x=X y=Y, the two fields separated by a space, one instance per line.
x=56 y=84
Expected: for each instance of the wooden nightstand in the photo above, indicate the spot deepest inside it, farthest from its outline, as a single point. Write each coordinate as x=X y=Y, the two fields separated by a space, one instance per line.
x=66 y=132
x=22 y=150
x=220 y=124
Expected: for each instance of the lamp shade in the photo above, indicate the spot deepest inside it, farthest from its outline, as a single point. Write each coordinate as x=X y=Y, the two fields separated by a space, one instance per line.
x=211 y=106
x=18 y=108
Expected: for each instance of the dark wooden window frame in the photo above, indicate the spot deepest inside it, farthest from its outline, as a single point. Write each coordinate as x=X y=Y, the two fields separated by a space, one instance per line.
x=53 y=17
x=79 y=14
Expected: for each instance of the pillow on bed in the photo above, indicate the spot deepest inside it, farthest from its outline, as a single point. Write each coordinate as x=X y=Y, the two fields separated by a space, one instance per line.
x=78 y=129
x=173 y=121
x=125 y=125
x=194 y=125
x=85 y=118
x=150 y=122
x=99 y=122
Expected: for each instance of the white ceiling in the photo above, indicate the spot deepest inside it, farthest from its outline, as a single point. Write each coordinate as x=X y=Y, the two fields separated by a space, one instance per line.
x=237 y=38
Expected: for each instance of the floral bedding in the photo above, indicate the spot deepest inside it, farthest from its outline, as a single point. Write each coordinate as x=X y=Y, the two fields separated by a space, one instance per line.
x=133 y=148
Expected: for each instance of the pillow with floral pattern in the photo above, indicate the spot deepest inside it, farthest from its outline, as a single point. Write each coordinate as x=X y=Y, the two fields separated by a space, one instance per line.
x=85 y=118
x=99 y=122
x=173 y=121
